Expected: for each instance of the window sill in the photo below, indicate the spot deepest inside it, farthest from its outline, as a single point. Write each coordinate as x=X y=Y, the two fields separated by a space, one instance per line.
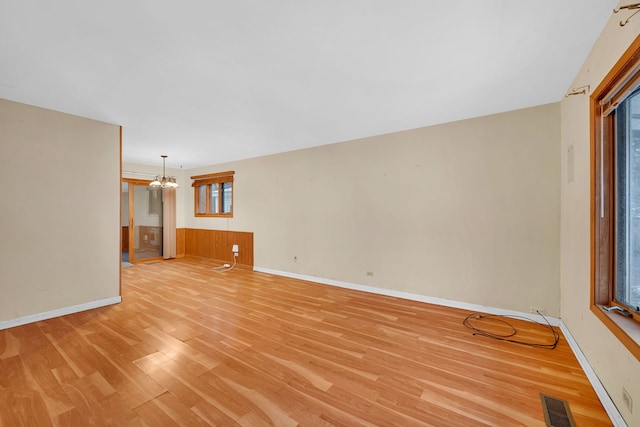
x=624 y=328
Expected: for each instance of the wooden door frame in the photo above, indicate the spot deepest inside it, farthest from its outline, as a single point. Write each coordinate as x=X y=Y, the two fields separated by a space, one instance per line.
x=132 y=182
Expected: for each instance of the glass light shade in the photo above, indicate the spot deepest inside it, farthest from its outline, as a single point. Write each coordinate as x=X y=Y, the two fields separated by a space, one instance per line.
x=164 y=181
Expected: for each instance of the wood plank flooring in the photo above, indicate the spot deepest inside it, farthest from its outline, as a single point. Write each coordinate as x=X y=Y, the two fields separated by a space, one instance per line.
x=190 y=346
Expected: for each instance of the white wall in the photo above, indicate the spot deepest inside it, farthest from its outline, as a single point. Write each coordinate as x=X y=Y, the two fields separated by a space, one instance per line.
x=615 y=366
x=467 y=211
x=60 y=215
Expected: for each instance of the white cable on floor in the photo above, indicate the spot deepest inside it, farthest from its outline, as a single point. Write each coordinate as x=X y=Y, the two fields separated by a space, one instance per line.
x=223 y=268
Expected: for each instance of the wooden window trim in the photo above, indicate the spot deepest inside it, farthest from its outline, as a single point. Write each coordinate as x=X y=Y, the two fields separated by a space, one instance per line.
x=606 y=96
x=214 y=175
x=208 y=179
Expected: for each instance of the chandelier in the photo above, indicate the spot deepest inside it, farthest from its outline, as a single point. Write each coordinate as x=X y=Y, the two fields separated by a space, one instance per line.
x=164 y=181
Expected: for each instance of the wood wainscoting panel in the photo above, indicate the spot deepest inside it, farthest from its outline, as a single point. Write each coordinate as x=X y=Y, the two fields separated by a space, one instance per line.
x=125 y=239
x=217 y=244
x=150 y=237
x=180 y=242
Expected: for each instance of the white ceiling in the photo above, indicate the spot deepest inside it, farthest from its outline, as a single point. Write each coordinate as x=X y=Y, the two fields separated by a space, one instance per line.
x=209 y=81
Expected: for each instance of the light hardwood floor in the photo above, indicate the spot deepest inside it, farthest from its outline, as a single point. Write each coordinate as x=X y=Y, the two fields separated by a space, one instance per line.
x=189 y=346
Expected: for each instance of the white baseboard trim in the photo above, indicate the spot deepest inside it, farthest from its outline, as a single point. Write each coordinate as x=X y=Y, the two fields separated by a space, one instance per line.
x=604 y=397
x=6 y=324
x=407 y=295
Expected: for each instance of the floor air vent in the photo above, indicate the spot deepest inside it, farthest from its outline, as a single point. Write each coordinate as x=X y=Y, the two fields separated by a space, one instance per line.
x=556 y=411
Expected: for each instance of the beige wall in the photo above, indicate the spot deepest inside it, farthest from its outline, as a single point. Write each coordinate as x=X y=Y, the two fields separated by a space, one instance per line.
x=467 y=211
x=59 y=217
x=615 y=366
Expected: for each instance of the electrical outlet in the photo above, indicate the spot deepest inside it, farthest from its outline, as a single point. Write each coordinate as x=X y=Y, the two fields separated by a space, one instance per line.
x=536 y=310
x=628 y=401
x=235 y=249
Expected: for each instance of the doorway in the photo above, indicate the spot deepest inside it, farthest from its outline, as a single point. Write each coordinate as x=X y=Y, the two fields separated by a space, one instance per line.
x=141 y=221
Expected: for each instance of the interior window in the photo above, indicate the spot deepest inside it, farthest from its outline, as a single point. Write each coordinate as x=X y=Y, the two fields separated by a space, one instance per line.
x=627 y=185
x=615 y=196
x=213 y=194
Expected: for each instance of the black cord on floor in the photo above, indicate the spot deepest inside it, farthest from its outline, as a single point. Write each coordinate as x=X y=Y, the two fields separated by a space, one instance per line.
x=479 y=317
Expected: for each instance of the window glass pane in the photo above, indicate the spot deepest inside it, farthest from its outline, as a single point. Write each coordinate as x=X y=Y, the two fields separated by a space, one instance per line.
x=227 y=189
x=202 y=199
x=155 y=200
x=214 y=198
x=633 y=184
x=627 y=289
